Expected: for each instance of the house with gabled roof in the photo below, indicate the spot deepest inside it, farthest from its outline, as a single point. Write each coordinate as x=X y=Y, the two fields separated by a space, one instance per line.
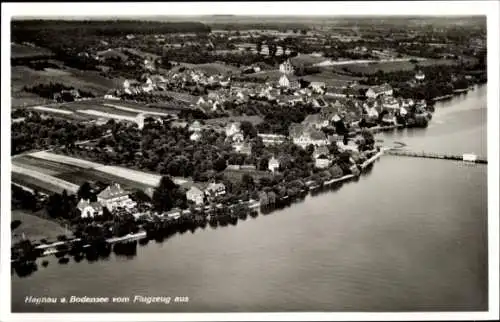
x=89 y=209
x=215 y=190
x=195 y=126
x=318 y=87
x=114 y=196
x=305 y=135
x=233 y=128
x=376 y=91
x=316 y=120
x=273 y=164
x=195 y=195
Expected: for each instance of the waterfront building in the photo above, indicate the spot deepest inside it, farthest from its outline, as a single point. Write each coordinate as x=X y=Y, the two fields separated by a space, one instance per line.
x=195 y=195
x=390 y=103
x=322 y=162
x=114 y=196
x=89 y=209
x=215 y=189
x=469 y=157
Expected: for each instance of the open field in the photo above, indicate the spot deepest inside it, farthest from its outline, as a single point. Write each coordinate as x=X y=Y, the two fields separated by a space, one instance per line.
x=33 y=183
x=36 y=228
x=330 y=79
x=254 y=119
x=141 y=177
x=216 y=68
x=90 y=105
x=372 y=68
x=272 y=75
x=135 y=110
x=306 y=60
x=58 y=185
x=51 y=110
x=99 y=114
x=44 y=166
x=74 y=174
x=24 y=51
x=89 y=81
x=79 y=176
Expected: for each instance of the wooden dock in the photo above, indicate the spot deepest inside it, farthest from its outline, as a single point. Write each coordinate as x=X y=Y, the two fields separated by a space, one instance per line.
x=465 y=157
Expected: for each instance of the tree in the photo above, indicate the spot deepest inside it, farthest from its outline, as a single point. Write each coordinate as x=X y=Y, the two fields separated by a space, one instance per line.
x=220 y=164
x=14 y=224
x=168 y=195
x=248 y=129
x=247 y=181
x=84 y=192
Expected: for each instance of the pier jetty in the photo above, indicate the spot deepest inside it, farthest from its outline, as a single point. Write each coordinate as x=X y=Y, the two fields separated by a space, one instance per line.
x=464 y=157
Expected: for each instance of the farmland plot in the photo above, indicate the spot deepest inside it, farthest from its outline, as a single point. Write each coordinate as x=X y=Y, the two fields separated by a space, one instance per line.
x=44 y=166
x=90 y=105
x=78 y=177
x=47 y=187
x=143 y=178
x=118 y=117
x=39 y=176
x=130 y=109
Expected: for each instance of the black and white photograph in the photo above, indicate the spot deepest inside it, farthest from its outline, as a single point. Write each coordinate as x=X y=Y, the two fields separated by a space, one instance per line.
x=321 y=160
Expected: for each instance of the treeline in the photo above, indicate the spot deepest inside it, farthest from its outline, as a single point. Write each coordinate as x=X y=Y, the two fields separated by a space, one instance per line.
x=105 y=27
x=279 y=26
x=40 y=133
x=49 y=90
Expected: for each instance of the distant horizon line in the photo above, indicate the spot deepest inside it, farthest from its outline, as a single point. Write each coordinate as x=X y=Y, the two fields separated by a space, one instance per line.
x=393 y=16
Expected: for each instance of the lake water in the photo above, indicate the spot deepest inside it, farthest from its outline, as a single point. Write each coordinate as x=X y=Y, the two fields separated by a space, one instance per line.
x=410 y=235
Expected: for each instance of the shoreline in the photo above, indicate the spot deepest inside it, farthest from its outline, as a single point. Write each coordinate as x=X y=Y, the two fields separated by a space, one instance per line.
x=211 y=213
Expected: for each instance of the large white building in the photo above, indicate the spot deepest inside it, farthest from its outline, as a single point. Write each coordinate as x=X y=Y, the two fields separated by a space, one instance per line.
x=114 y=197
x=376 y=91
x=195 y=195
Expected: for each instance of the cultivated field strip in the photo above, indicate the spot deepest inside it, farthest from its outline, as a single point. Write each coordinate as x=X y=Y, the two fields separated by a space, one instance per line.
x=130 y=109
x=107 y=115
x=140 y=177
x=45 y=166
x=52 y=110
x=53 y=181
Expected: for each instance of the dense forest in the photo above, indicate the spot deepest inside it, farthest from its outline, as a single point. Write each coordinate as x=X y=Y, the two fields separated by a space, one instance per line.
x=36 y=132
x=28 y=28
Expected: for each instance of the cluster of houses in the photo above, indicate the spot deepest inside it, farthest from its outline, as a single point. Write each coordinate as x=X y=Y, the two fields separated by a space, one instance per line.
x=114 y=197
x=127 y=56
